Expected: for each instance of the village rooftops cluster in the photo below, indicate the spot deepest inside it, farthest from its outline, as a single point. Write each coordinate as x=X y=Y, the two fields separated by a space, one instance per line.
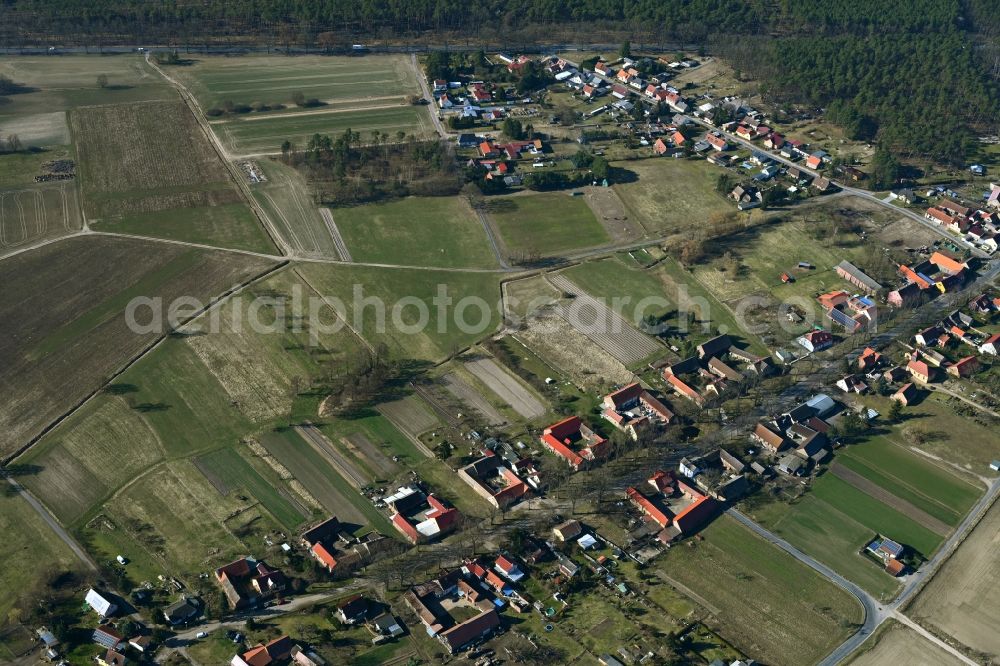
x=978 y=226
x=797 y=439
x=573 y=441
x=434 y=600
x=420 y=516
x=710 y=373
x=675 y=506
x=115 y=646
x=340 y=552
x=281 y=651
x=633 y=408
x=247 y=582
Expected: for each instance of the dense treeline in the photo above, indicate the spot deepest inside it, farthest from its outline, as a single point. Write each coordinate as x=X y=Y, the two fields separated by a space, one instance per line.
x=354 y=169
x=917 y=76
x=913 y=94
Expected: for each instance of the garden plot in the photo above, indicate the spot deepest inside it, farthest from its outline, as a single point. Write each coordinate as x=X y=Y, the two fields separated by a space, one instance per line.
x=603 y=325
x=471 y=397
x=368 y=453
x=410 y=414
x=507 y=387
x=562 y=346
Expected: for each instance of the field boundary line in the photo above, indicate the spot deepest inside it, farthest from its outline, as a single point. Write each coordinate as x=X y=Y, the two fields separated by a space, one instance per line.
x=234 y=174
x=216 y=302
x=895 y=502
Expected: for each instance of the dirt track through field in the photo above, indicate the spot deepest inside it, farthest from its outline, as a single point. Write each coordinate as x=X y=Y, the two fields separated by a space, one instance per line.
x=471 y=397
x=603 y=325
x=338 y=240
x=506 y=387
x=337 y=460
x=890 y=500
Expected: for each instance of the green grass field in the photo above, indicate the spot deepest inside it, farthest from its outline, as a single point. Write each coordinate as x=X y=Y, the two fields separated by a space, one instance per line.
x=875 y=515
x=30 y=549
x=17 y=169
x=544 y=224
x=227 y=225
x=264 y=134
x=234 y=471
x=670 y=195
x=416 y=231
x=919 y=481
x=953 y=437
x=832 y=537
x=60 y=83
x=613 y=280
x=274 y=79
x=399 y=292
x=769 y=605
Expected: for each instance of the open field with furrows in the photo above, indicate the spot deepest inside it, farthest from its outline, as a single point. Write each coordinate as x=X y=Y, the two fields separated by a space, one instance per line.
x=468 y=395
x=287 y=349
x=545 y=224
x=274 y=79
x=148 y=169
x=672 y=196
x=963 y=600
x=286 y=201
x=416 y=231
x=931 y=487
x=559 y=344
x=603 y=325
x=64 y=305
x=412 y=326
x=769 y=605
x=264 y=134
x=167 y=405
x=37 y=213
x=411 y=415
x=323 y=482
x=373 y=441
x=895 y=643
x=506 y=387
x=57 y=84
x=30 y=549
x=228 y=471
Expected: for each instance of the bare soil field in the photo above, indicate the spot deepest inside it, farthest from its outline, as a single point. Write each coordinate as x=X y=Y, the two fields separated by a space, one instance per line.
x=603 y=325
x=344 y=465
x=365 y=450
x=887 y=498
x=507 y=387
x=963 y=599
x=899 y=644
x=63 y=308
x=37 y=213
x=610 y=211
x=409 y=414
x=551 y=337
x=471 y=397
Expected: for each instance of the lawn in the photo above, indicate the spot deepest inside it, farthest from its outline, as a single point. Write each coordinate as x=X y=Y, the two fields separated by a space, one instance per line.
x=30 y=551
x=670 y=196
x=924 y=484
x=770 y=605
x=396 y=306
x=416 y=231
x=274 y=79
x=264 y=134
x=832 y=537
x=234 y=471
x=545 y=224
